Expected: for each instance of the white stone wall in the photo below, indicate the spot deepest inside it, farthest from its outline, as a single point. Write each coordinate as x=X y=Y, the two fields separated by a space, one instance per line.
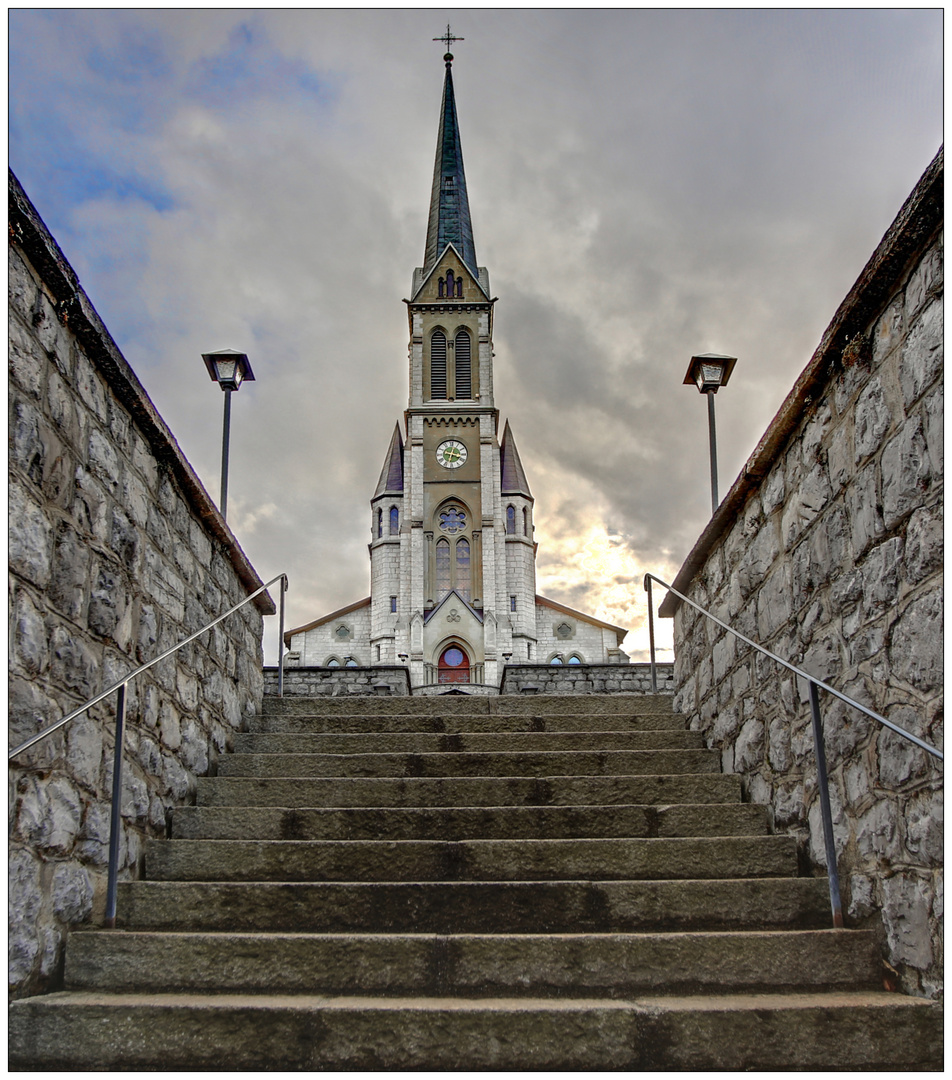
x=590 y=642
x=316 y=646
x=834 y=562
x=115 y=555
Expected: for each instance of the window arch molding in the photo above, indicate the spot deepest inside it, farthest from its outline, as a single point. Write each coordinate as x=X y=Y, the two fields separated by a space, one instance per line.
x=332 y=661
x=576 y=658
x=557 y=659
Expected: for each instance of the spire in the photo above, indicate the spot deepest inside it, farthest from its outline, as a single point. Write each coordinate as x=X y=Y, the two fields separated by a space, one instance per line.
x=391 y=475
x=514 y=480
x=449 y=206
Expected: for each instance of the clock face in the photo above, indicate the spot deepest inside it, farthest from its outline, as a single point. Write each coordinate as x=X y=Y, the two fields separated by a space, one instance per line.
x=451 y=454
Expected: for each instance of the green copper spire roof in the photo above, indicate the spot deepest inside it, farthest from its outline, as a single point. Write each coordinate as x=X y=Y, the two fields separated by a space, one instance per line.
x=449 y=206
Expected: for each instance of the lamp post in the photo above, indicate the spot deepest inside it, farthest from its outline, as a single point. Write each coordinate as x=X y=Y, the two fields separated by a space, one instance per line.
x=709 y=372
x=229 y=369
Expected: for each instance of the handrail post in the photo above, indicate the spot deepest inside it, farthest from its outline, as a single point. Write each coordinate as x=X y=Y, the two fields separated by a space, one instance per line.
x=115 y=819
x=651 y=645
x=284 y=585
x=825 y=812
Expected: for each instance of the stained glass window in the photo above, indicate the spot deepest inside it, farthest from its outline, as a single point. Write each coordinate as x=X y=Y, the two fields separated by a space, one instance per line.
x=462 y=569
x=442 y=568
x=394 y=521
x=511 y=520
x=380 y=523
x=452 y=520
x=525 y=521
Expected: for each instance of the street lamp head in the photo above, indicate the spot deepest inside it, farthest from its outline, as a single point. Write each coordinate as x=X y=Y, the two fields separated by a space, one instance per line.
x=709 y=371
x=228 y=368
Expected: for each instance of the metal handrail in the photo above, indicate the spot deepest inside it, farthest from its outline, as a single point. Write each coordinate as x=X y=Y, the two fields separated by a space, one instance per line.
x=814 y=685
x=119 y=688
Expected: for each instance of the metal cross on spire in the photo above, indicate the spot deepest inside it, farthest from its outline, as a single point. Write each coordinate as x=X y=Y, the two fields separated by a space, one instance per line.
x=448 y=39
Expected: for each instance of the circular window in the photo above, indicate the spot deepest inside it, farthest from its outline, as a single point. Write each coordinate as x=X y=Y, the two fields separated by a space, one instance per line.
x=453 y=657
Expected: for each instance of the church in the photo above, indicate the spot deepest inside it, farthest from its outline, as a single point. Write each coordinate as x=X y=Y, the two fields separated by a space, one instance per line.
x=453 y=549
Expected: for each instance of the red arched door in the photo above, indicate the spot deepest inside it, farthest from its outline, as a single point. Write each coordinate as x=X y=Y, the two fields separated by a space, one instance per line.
x=454 y=665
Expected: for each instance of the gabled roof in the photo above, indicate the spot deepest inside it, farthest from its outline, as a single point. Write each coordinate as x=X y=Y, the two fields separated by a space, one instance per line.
x=620 y=631
x=514 y=480
x=449 y=221
x=430 y=270
x=288 y=634
x=391 y=475
x=452 y=593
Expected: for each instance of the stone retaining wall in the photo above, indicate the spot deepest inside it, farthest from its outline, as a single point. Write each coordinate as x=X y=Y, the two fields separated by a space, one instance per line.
x=587 y=678
x=116 y=553
x=338 y=681
x=828 y=551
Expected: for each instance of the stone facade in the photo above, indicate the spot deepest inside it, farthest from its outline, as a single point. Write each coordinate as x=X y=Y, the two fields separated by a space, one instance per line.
x=828 y=551
x=116 y=553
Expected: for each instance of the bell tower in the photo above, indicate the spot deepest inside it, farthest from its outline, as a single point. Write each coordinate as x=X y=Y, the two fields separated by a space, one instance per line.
x=452 y=549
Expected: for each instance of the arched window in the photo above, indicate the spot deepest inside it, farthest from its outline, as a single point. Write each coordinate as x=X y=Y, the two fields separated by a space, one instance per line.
x=459 y=288
x=463 y=579
x=438 y=365
x=556 y=660
x=442 y=568
x=449 y=283
x=511 y=520
x=350 y=662
x=380 y=522
x=525 y=521
x=574 y=659
x=464 y=370
x=332 y=662
x=441 y=287
x=394 y=521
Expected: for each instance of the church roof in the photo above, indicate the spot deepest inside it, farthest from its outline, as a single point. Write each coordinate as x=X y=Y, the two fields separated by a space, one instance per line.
x=391 y=475
x=514 y=480
x=620 y=631
x=449 y=221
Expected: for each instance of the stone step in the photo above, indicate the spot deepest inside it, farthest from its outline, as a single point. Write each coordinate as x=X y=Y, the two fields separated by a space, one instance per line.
x=93 y=1030
x=520 y=763
x=466 y=822
x=468 y=791
x=469 y=860
x=423 y=742
x=478 y=907
x=460 y=723
x=474 y=965
x=453 y=704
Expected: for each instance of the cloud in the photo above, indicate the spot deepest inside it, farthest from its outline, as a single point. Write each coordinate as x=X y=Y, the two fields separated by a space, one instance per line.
x=644 y=184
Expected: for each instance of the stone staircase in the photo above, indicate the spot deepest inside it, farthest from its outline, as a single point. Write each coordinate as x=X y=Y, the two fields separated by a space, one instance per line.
x=473 y=883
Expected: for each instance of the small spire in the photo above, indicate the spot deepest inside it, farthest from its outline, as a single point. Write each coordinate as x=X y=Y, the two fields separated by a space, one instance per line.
x=513 y=476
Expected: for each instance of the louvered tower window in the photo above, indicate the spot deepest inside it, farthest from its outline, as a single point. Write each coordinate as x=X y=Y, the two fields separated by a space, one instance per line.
x=438 y=365
x=464 y=370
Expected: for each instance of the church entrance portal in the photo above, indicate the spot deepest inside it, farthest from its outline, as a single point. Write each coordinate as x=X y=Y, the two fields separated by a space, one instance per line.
x=454 y=665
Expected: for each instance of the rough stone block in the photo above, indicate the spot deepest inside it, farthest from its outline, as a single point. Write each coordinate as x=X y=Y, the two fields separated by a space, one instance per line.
x=922 y=820
x=25 y=899
x=888 y=331
x=923 y=549
x=90 y=388
x=906 y=902
x=925 y=281
x=872 y=419
x=915 y=648
x=31 y=538
x=30 y=642
x=72 y=892
x=922 y=354
x=906 y=472
x=863 y=504
x=74 y=665
x=84 y=739
x=881 y=576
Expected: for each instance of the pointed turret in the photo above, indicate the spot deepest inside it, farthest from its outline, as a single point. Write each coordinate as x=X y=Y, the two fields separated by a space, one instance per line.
x=514 y=480
x=391 y=475
x=449 y=205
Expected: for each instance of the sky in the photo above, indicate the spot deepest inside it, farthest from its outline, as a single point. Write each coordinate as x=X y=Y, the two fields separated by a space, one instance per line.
x=644 y=186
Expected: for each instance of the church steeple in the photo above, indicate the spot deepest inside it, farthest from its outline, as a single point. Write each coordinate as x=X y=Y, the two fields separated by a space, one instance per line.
x=449 y=221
